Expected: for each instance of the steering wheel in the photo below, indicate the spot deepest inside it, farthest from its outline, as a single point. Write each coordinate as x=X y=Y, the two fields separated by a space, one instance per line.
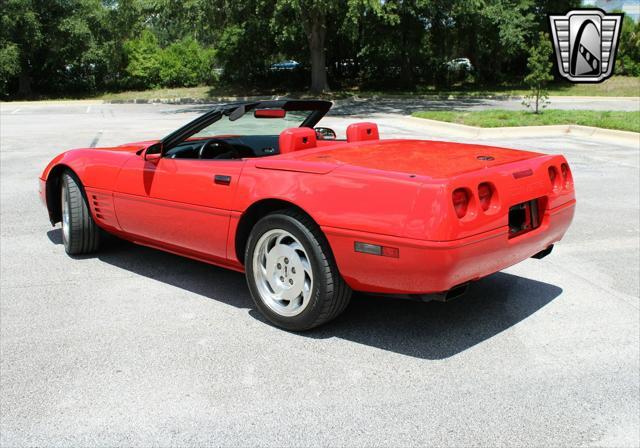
x=220 y=148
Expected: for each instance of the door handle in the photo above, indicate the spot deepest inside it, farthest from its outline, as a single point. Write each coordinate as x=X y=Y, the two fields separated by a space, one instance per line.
x=221 y=179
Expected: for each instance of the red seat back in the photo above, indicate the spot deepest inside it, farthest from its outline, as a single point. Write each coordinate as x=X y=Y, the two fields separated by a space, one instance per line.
x=360 y=132
x=296 y=139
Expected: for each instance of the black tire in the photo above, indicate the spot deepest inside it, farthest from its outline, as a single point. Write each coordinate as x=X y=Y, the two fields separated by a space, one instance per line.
x=329 y=294
x=80 y=235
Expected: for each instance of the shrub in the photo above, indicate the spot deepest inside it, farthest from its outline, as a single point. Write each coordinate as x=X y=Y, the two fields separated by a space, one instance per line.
x=143 y=61
x=186 y=64
x=628 y=60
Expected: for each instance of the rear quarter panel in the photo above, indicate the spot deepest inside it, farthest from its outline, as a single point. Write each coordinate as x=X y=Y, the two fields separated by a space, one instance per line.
x=344 y=198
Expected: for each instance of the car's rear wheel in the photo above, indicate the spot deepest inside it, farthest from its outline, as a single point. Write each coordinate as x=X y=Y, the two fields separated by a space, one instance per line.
x=80 y=234
x=291 y=273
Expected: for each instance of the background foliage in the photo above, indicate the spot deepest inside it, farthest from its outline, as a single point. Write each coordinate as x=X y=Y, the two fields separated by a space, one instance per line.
x=539 y=65
x=63 y=47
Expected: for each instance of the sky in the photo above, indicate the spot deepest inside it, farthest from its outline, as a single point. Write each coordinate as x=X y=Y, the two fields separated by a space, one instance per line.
x=630 y=8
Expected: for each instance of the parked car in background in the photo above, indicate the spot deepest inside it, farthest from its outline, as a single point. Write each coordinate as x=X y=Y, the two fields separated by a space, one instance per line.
x=460 y=64
x=285 y=65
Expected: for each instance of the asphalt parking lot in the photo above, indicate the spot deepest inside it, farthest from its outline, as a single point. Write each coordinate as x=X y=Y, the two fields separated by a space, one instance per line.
x=134 y=346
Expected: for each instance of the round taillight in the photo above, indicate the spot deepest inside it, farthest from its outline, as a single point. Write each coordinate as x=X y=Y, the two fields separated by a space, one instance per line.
x=553 y=176
x=460 y=201
x=485 y=193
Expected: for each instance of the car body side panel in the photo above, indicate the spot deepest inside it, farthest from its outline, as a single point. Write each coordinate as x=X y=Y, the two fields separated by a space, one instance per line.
x=178 y=202
x=379 y=204
x=102 y=208
x=97 y=168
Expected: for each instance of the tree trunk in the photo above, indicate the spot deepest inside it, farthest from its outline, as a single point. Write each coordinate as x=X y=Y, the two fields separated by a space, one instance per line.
x=24 y=84
x=316 y=34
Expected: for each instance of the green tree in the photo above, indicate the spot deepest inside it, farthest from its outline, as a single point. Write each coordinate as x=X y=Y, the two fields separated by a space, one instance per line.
x=57 y=42
x=395 y=45
x=62 y=46
x=9 y=65
x=628 y=58
x=494 y=35
x=143 y=60
x=243 y=39
x=312 y=15
x=185 y=64
x=127 y=19
x=21 y=31
x=173 y=20
x=539 y=65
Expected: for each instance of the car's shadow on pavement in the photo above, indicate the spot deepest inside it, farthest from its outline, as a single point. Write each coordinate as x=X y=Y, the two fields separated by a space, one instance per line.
x=431 y=330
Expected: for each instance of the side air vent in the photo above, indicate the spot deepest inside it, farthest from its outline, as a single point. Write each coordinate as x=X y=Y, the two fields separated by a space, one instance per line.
x=102 y=206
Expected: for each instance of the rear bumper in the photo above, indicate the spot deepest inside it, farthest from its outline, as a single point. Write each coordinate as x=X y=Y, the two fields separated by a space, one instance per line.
x=435 y=266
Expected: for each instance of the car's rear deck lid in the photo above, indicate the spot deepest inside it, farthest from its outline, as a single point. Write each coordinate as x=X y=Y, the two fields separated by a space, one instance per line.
x=420 y=157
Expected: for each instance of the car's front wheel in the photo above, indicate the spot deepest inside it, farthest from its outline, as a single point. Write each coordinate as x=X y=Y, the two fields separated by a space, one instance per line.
x=291 y=273
x=80 y=234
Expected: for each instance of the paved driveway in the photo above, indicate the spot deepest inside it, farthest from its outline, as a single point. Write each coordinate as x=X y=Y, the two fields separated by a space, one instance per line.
x=138 y=347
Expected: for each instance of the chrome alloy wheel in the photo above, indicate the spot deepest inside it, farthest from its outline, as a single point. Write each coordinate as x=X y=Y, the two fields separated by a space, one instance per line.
x=65 y=213
x=282 y=273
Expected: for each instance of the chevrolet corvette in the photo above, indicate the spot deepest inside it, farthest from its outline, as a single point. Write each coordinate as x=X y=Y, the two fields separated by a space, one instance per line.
x=257 y=187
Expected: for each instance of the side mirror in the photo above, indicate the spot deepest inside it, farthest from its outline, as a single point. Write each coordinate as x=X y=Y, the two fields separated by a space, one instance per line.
x=325 y=133
x=237 y=113
x=153 y=153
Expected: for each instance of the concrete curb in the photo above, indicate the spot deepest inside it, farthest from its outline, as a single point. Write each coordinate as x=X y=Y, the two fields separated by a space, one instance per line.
x=226 y=99
x=222 y=99
x=606 y=135
x=212 y=100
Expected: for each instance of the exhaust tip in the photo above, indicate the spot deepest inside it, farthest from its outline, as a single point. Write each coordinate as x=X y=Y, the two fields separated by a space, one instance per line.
x=543 y=253
x=446 y=296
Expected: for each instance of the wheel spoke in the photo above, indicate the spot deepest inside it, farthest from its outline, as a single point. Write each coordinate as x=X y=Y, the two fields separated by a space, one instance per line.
x=294 y=302
x=306 y=266
x=263 y=263
x=280 y=238
x=296 y=246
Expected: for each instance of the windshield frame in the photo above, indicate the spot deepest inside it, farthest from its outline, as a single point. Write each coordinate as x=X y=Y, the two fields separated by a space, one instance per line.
x=318 y=109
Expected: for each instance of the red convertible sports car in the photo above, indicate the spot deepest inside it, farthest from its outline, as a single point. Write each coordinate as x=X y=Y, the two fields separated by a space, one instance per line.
x=256 y=187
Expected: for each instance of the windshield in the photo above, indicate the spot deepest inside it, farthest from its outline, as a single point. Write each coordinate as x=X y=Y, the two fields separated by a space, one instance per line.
x=248 y=124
